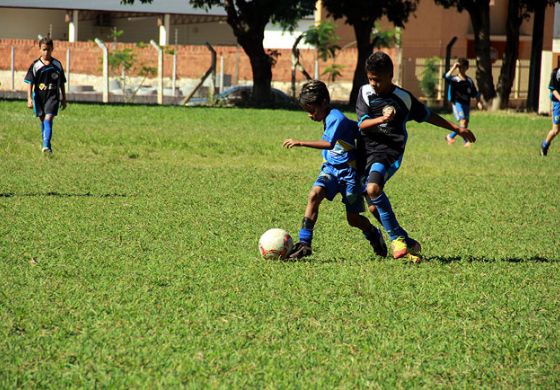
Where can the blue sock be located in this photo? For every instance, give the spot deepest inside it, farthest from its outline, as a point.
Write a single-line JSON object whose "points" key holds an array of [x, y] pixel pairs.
{"points": [[306, 236], [42, 130], [545, 144], [47, 134], [453, 134], [388, 218]]}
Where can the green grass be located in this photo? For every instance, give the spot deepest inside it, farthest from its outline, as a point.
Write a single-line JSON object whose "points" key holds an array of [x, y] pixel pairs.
{"points": [[129, 259]]}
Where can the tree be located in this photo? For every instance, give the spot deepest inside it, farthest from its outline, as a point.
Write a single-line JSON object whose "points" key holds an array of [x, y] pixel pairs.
{"points": [[361, 15], [479, 12], [248, 19]]}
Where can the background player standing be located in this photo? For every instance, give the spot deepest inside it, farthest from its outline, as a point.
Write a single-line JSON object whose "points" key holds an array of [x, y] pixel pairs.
{"points": [[461, 90], [338, 172], [554, 87], [45, 91]]}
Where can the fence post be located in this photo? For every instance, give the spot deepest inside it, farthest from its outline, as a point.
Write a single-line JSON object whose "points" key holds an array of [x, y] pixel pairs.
{"points": [[105, 82], [517, 78], [160, 71], [12, 67]]}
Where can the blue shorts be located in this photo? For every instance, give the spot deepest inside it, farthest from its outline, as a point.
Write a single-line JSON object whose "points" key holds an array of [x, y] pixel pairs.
{"points": [[344, 181], [556, 113], [386, 171], [461, 111]]}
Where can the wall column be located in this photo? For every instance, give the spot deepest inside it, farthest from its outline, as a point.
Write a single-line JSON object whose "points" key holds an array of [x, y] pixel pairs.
{"points": [[164, 26], [72, 19]]}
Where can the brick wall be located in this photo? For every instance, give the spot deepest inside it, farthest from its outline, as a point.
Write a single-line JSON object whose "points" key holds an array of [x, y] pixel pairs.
{"points": [[192, 61]]}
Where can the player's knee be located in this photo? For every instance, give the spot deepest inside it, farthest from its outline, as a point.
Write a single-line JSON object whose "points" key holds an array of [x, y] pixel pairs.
{"points": [[372, 208], [315, 196], [374, 190]]}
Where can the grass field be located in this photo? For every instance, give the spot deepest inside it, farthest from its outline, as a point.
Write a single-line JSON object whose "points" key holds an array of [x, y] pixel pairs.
{"points": [[129, 259]]}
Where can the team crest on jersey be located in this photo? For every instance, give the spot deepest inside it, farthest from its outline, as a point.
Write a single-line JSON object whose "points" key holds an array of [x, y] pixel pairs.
{"points": [[42, 87], [54, 76]]}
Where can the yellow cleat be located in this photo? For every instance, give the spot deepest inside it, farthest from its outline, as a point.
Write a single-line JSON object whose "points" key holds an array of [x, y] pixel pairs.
{"points": [[398, 246]]}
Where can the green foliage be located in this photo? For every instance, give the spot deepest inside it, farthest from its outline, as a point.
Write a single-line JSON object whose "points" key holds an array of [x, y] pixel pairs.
{"points": [[120, 60], [386, 38], [333, 71], [324, 38], [430, 77], [129, 258]]}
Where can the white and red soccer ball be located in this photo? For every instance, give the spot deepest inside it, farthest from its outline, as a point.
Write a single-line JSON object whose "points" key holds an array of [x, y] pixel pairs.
{"points": [[275, 244]]}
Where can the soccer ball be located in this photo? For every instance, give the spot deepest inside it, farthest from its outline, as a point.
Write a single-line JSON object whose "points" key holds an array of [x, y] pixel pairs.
{"points": [[275, 244]]}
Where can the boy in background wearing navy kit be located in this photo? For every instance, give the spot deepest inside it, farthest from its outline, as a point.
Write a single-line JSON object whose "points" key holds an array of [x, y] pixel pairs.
{"points": [[554, 87], [45, 92]]}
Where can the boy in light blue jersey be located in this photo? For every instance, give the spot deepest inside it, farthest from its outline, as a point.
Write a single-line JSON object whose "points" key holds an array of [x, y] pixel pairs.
{"points": [[339, 172]]}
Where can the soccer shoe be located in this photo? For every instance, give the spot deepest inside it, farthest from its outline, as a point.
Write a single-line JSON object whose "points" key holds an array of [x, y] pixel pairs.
{"points": [[414, 248], [301, 249], [449, 140], [378, 243], [46, 151], [399, 248], [544, 149], [467, 144]]}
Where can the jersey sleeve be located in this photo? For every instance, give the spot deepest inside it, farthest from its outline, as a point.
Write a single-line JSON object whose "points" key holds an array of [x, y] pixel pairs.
{"points": [[475, 94], [555, 80], [418, 111], [362, 108], [332, 130], [29, 76]]}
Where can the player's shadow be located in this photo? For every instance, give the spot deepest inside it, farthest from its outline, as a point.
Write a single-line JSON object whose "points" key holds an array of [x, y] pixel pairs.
{"points": [[479, 259], [62, 195]]}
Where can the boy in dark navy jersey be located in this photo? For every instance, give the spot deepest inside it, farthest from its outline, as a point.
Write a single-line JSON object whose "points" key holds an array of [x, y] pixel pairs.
{"points": [[554, 87], [461, 90], [45, 91], [338, 172], [383, 110]]}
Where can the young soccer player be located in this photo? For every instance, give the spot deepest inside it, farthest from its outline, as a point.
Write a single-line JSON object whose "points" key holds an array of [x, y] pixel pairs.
{"points": [[45, 90], [383, 110], [554, 87], [338, 172], [461, 90]]}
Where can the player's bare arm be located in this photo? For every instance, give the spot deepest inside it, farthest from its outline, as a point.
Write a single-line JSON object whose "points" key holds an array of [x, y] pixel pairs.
{"points": [[29, 95], [63, 97], [290, 143], [439, 121], [370, 123]]}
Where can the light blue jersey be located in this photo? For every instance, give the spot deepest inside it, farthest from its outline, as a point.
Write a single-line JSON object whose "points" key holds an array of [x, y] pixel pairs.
{"points": [[341, 133]]}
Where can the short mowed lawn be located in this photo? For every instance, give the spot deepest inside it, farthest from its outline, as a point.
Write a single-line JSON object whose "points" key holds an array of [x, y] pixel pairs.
{"points": [[129, 258]]}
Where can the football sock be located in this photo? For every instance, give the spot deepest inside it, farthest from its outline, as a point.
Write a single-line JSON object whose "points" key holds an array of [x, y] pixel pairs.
{"points": [[545, 144], [42, 131], [47, 134], [453, 134], [388, 218], [306, 231]]}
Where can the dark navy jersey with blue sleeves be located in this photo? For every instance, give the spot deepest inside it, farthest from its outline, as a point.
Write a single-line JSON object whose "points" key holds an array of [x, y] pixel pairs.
{"points": [[46, 79], [461, 91], [342, 133], [554, 83], [387, 141]]}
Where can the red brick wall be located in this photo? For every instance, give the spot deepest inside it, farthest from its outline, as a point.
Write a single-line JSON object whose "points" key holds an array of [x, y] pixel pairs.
{"points": [[192, 61]]}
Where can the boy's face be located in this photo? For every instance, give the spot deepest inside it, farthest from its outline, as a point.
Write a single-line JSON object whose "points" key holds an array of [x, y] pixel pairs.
{"points": [[382, 83], [317, 112], [463, 68], [46, 51]]}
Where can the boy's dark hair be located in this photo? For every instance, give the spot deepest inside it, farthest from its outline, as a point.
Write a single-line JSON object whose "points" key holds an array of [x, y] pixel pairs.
{"points": [[314, 92], [379, 63], [46, 41], [462, 61]]}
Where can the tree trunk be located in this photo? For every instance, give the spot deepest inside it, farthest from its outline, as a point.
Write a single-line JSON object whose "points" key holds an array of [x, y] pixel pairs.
{"points": [[365, 47], [261, 66], [480, 19], [507, 72], [536, 52]]}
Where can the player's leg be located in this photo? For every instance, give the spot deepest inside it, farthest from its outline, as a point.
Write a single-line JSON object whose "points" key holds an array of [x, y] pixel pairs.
{"points": [[324, 187], [458, 114], [377, 197], [555, 129], [351, 191], [464, 123], [47, 132]]}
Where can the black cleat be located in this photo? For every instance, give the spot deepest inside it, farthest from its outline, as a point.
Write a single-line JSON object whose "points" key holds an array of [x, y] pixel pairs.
{"points": [[301, 249], [544, 149], [378, 243]]}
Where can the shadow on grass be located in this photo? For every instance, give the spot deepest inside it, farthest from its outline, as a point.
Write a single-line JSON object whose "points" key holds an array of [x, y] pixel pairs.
{"points": [[478, 259], [62, 195]]}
